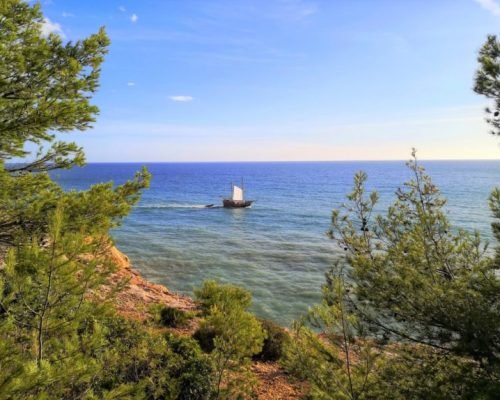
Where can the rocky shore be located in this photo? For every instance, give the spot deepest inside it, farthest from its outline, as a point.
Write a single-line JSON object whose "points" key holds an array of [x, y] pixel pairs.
{"points": [[133, 301], [139, 294]]}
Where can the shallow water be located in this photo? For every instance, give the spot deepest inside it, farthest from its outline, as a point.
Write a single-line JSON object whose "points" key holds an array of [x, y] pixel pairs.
{"points": [[278, 249]]}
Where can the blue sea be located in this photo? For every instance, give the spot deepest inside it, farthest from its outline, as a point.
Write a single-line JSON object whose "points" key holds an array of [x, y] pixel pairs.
{"points": [[278, 249]]}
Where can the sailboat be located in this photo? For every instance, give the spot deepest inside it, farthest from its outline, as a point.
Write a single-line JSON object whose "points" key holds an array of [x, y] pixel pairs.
{"points": [[237, 199]]}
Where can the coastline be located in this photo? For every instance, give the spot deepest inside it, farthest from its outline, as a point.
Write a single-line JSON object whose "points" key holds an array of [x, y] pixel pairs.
{"points": [[139, 294]]}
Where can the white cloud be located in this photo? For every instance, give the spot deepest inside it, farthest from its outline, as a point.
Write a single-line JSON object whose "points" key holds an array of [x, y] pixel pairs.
{"points": [[67, 14], [490, 5], [130, 83], [49, 27], [122, 9], [134, 18], [182, 99]]}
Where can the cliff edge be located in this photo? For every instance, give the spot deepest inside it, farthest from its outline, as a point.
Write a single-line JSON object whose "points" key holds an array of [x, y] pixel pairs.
{"points": [[138, 294], [134, 300]]}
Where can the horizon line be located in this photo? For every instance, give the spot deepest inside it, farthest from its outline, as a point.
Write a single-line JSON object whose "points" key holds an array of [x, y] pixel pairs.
{"points": [[288, 161]]}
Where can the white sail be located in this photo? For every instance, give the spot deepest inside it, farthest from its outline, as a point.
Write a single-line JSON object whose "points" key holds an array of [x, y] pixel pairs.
{"points": [[237, 193]]}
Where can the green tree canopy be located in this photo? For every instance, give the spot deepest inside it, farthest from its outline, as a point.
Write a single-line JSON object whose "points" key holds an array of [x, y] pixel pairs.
{"points": [[45, 86], [237, 336], [413, 312], [417, 278], [487, 80]]}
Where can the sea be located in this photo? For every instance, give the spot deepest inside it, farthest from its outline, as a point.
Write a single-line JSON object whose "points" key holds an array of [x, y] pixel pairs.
{"points": [[278, 249]]}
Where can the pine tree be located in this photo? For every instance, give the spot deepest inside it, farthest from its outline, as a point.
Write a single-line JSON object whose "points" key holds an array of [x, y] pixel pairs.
{"points": [[412, 312], [487, 82], [341, 362], [49, 310], [416, 278], [236, 334], [420, 297], [45, 86], [53, 244]]}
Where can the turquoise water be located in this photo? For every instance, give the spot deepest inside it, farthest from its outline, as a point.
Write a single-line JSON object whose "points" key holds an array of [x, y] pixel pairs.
{"points": [[278, 249]]}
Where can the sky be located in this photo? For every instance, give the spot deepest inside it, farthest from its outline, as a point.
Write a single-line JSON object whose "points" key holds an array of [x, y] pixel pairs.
{"points": [[284, 80]]}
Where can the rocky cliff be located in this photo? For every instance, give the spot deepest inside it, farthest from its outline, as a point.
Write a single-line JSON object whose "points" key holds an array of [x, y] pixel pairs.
{"points": [[138, 294]]}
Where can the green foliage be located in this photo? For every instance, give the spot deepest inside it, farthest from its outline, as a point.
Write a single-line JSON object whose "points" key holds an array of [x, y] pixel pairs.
{"points": [[339, 363], [49, 312], [238, 336], [205, 336], [173, 317], [417, 279], [156, 366], [54, 339], [274, 343], [417, 372], [195, 377], [44, 287], [223, 296], [413, 313], [45, 86], [487, 80], [412, 278], [26, 201]]}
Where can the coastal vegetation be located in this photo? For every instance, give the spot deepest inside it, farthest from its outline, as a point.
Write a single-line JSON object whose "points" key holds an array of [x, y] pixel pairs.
{"points": [[172, 317], [235, 335], [60, 337], [410, 312], [413, 310]]}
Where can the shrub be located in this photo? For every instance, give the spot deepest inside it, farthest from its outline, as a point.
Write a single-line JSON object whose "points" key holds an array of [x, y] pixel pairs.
{"points": [[239, 336], [205, 336], [173, 317], [156, 366], [195, 382], [195, 373], [232, 335], [273, 346], [213, 294]]}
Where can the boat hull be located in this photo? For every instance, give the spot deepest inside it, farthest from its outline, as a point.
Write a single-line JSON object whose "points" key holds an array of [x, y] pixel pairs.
{"points": [[228, 203]]}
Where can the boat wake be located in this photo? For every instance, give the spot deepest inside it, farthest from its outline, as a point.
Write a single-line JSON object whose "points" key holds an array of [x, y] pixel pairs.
{"points": [[174, 205]]}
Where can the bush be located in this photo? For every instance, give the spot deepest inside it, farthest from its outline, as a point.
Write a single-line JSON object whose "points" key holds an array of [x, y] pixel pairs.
{"points": [[195, 373], [205, 336], [232, 335], [173, 317], [195, 382], [273, 346], [223, 296], [156, 366]]}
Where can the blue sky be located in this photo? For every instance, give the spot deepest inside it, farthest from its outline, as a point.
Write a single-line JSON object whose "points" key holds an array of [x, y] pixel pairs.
{"points": [[207, 80]]}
